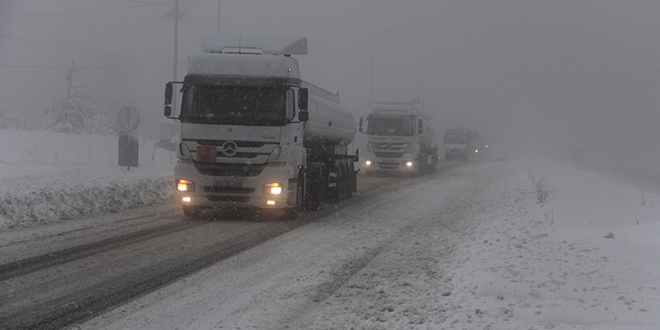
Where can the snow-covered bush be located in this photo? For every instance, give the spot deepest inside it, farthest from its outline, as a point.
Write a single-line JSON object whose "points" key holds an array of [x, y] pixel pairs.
{"points": [[541, 191]]}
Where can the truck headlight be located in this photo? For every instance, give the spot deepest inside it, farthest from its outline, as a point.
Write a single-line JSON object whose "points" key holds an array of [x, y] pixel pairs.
{"points": [[185, 185], [409, 164], [273, 188], [368, 163]]}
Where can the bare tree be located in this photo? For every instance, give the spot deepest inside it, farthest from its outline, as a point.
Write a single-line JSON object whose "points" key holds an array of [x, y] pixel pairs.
{"points": [[70, 115]]}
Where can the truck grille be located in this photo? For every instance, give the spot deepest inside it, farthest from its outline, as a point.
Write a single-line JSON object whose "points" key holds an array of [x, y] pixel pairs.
{"points": [[238, 170], [229, 190], [381, 154], [388, 165], [232, 199], [240, 144]]}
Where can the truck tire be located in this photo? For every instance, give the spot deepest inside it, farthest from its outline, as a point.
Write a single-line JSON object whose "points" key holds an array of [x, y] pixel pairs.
{"points": [[353, 175], [292, 213], [338, 193], [348, 181], [315, 187], [434, 162]]}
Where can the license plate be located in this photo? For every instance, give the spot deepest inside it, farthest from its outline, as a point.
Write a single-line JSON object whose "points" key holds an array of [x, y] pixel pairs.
{"points": [[206, 154]]}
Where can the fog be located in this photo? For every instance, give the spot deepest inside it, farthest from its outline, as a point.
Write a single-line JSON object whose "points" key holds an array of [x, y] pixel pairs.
{"points": [[546, 77]]}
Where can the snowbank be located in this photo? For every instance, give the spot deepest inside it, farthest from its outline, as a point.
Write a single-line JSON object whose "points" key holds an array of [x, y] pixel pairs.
{"points": [[587, 257], [47, 176]]}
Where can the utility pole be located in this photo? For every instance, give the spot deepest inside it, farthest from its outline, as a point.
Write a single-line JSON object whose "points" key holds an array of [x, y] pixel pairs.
{"points": [[219, 2], [371, 80], [176, 37], [174, 14]]}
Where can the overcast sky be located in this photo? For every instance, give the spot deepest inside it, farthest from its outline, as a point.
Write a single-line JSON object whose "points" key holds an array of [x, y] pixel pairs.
{"points": [[546, 75]]}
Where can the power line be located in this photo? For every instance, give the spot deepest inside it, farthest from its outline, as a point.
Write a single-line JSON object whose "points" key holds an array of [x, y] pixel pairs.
{"points": [[84, 49], [82, 67], [91, 11], [75, 12]]}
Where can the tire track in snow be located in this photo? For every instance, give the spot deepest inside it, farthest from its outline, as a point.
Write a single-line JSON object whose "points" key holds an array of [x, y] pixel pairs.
{"points": [[33, 264]]}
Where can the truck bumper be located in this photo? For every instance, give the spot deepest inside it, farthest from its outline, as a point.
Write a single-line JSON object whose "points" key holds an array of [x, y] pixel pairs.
{"points": [[455, 154], [214, 191], [408, 163]]}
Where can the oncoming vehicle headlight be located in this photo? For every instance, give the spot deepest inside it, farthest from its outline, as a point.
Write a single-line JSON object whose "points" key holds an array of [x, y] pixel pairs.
{"points": [[409, 164], [367, 162], [273, 188], [185, 185]]}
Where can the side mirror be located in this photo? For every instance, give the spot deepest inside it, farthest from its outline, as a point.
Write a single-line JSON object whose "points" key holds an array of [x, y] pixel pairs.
{"points": [[420, 127], [303, 98], [303, 115], [168, 94], [360, 124]]}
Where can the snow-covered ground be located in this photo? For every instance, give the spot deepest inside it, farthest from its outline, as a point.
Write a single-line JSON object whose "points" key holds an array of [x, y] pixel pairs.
{"points": [[47, 176], [586, 258]]}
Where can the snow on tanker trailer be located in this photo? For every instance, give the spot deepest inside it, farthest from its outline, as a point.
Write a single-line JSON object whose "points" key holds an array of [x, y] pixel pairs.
{"points": [[399, 140], [254, 135]]}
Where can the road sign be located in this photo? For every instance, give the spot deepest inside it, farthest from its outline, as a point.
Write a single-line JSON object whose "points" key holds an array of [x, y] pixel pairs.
{"points": [[128, 149], [128, 118]]}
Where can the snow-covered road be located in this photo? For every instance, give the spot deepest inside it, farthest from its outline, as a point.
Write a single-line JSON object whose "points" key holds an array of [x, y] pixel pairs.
{"points": [[379, 263], [469, 249]]}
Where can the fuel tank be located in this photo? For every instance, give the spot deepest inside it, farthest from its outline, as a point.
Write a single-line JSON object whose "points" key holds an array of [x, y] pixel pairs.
{"points": [[329, 122]]}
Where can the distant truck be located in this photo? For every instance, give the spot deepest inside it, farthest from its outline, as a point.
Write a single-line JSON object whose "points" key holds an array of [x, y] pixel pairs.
{"points": [[399, 139], [254, 135], [457, 143]]}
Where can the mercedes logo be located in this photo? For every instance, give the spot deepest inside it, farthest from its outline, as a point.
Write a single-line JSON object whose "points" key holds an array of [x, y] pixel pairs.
{"points": [[388, 146], [229, 148]]}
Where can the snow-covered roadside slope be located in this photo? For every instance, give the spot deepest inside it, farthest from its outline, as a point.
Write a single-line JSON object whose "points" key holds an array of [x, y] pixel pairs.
{"points": [[589, 257], [47, 177]]}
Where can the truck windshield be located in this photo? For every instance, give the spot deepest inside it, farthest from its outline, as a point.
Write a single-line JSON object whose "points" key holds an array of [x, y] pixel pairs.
{"points": [[390, 126], [234, 105]]}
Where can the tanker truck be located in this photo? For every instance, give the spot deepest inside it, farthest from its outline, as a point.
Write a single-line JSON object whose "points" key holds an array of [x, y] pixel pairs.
{"points": [[457, 143], [254, 135], [399, 139]]}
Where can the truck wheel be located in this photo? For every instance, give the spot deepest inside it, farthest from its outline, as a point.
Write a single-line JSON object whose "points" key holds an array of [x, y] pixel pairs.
{"points": [[292, 213], [337, 193], [315, 187], [353, 175], [348, 182], [434, 162], [192, 212]]}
